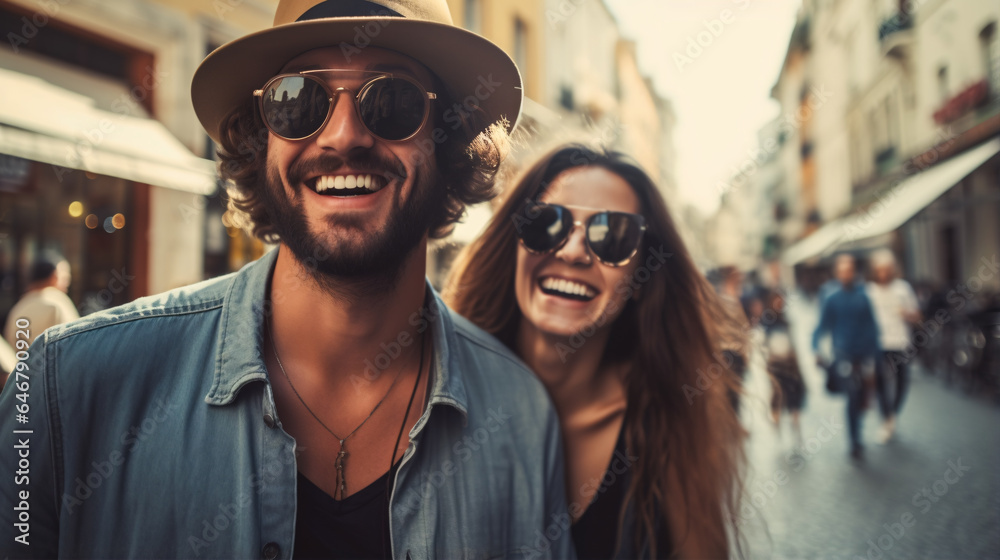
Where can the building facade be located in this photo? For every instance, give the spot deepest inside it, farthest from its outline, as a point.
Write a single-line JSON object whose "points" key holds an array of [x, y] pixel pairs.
{"points": [[582, 83], [101, 156], [894, 113]]}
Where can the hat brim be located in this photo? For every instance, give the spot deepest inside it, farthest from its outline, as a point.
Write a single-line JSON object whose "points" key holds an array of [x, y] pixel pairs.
{"points": [[467, 64]]}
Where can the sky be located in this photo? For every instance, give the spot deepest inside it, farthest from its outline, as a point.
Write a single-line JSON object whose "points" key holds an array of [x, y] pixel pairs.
{"points": [[720, 87]]}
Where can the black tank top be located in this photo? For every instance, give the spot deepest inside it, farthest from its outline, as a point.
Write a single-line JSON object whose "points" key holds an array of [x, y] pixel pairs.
{"points": [[595, 534]]}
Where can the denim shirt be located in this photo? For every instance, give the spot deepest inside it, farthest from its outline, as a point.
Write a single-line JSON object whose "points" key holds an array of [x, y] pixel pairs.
{"points": [[848, 316], [152, 433]]}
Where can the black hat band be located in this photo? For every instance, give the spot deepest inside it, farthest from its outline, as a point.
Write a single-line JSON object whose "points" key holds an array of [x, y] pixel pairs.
{"points": [[347, 8]]}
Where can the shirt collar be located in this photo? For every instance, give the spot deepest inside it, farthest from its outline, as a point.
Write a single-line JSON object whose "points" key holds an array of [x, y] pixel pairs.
{"points": [[447, 368], [240, 357]]}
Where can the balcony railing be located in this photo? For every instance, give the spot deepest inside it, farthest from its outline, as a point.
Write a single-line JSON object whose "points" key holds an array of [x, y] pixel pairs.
{"points": [[895, 24], [970, 98]]}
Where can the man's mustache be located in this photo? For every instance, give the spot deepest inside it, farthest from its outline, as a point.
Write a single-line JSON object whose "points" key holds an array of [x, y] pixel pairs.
{"points": [[329, 164]]}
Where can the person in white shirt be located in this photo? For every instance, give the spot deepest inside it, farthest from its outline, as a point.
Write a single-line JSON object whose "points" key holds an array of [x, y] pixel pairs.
{"points": [[45, 304], [896, 308]]}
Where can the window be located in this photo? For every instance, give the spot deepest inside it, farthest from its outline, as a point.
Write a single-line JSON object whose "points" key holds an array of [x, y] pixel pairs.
{"points": [[892, 119], [473, 15], [854, 151], [882, 122], [854, 70], [989, 46], [63, 44], [942, 79], [566, 97], [949, 251]]}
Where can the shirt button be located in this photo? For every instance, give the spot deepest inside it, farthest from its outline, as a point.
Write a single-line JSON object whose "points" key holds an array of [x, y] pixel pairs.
{"points": [[269, 420], [271, 551]]}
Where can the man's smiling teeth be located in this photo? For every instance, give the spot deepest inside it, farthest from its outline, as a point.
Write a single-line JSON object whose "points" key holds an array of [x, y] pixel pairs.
{"points": [[344, 182], [568, 287]]}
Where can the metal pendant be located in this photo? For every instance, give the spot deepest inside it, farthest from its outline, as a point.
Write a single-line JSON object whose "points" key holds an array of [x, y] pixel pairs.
{"points": [[341, 482]]}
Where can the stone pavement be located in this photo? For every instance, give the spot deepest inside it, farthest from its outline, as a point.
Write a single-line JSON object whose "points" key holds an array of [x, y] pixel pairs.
{"points": [[932, 492]]}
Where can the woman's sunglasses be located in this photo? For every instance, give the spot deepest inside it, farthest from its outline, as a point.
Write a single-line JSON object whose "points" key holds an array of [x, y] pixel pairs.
{"points": [[613, 237], [297, 106]]}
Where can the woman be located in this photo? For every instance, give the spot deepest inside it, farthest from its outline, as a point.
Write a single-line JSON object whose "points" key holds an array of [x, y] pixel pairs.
{"points": [[583, 274], [789, 390]]}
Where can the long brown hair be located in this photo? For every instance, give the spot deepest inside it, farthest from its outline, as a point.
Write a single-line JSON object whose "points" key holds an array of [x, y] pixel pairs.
{"points": [[679, 419]]}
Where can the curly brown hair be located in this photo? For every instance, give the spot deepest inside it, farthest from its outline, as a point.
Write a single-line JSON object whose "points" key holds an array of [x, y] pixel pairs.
{"points": [[469, 152]]}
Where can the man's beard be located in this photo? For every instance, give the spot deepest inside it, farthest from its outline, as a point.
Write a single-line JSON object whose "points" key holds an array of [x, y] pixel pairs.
{"points": [[375, 262]]}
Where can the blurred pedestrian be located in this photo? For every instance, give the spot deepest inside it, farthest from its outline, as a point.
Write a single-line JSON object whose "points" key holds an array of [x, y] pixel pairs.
{"points": [[896, 308], [783, 365], [583, 274], [752, 298], [753, 306], [848, 317], [826, 289], [734, 349], [8, 360], [45, 303]]}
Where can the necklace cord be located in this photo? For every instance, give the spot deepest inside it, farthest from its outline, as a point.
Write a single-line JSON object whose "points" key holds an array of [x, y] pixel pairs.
{"points": [[399, 435], [392, 462], [342, 454], [294, 390], [420, 371]]}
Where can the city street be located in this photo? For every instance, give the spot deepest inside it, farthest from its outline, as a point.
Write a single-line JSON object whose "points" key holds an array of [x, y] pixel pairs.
{"points": [[596, 183], [932, 492]]}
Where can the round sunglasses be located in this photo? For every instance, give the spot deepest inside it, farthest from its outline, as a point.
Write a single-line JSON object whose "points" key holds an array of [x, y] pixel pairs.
{"points": [[613, 237], [298, 105]]}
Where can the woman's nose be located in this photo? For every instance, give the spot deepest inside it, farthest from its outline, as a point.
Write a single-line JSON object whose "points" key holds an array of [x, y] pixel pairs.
{"points": [[575, 250]]}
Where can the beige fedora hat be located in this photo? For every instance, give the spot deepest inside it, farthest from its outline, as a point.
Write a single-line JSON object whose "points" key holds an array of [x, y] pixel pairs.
{"points": [[474, 70]]}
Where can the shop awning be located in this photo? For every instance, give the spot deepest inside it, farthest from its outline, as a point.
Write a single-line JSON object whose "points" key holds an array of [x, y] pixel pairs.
{"points": [[43, 122], [894, 207]]}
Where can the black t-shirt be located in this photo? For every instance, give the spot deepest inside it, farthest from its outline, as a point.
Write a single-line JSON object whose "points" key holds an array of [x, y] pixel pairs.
{"points": [[355, 527], [595, 534]]}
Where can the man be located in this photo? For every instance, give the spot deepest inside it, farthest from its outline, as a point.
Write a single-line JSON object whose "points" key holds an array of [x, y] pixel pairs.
{"points": [[847, 316], [896, 308], [45, 303], [263, 413]]}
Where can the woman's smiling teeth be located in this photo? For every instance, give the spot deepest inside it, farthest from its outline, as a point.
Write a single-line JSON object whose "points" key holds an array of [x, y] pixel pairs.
{"points": [[340, 184], [567, 288]]}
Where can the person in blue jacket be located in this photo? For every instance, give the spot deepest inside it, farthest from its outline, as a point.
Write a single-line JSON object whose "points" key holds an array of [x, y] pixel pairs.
{"points": [[848, 317]]}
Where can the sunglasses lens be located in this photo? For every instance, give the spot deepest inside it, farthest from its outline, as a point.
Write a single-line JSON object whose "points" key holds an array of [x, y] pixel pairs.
{"points": [[613, 236], [393, 109], [546, 227], [295, 107]]}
